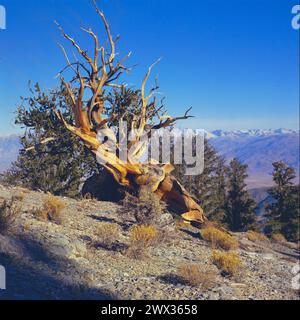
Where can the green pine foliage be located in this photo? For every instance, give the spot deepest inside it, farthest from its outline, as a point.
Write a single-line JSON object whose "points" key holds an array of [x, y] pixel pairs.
{"points": [[208, 188], [283, 213], [239, 206]]}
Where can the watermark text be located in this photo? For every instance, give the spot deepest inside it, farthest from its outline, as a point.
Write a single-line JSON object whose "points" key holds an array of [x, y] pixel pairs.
{"points": [[2, 278], [296, 18], [2, 18]]}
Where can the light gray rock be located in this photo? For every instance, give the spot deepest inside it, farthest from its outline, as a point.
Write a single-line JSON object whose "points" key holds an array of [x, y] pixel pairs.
{"points": [[64, 247]]}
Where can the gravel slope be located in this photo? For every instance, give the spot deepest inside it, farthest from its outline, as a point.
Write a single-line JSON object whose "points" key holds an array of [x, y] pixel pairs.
{"points": [[44, 260]]}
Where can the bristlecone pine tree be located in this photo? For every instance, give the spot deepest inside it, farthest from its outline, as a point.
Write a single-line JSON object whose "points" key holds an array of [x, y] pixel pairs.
{"points": [[284, 212], [87, 90], [239, 207], [51, 159]]}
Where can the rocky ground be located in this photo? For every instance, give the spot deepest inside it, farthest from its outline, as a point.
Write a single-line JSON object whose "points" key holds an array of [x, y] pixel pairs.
{"points": [[44, 260]]}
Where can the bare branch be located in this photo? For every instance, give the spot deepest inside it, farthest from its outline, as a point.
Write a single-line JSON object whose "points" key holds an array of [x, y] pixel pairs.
{"points": [[145, 99], [78, 48], [110, 38], [171, 120], [96, 42]]}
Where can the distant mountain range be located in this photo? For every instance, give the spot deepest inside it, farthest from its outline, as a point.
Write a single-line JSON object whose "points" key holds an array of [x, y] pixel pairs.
{"points": [[9, 149], [250, 133], [258, 148]]}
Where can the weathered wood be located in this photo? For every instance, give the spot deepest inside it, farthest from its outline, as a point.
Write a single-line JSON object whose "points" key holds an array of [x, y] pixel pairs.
{"points": [[90, 117]]}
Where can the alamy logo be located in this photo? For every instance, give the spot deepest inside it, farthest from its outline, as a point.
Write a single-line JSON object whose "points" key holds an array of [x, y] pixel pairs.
{"points": [[154, 146], [296, 18], [2, 18], [2, 278]]}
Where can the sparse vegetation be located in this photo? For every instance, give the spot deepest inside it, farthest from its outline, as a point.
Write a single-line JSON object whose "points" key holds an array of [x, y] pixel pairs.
{"points": [[51, 210], [54, 208], [228, 262], [40, 214], [146, 208], [9, 211], [93, 245], [107, 232], [256, 236], [143, 234], [193, 275], [219, 239], [141, 238], [278, 237]]}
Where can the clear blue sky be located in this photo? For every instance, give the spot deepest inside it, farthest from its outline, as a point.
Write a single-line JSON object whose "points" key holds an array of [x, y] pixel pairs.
{"points": [[235, 61]]}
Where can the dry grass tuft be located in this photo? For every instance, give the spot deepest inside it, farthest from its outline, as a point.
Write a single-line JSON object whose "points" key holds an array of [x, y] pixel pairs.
{"points": [[228, 262], [142, 237], [278, 237], [40, 214], [51, 210], [9, 211], [192, 275], [143, 234], [107, 233], [219, 239], [54, 208], [256, 236]]}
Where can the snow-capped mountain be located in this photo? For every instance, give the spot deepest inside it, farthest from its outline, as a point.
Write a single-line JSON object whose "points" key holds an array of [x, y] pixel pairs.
{"points": [[250, 133], [259, 149]]}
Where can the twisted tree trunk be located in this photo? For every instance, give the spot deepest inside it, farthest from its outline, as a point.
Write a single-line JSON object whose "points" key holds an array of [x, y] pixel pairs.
{"points": [[95, 74]]}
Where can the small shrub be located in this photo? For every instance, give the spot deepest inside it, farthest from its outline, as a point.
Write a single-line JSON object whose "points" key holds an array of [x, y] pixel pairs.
{"points": [[219, 239], [54, 207], [193, 275], [278, 237], [107, 232], [256, 236], [141, 238], [40, 214], [146, 208], [9, 211], [143, 234], [228, 262]]}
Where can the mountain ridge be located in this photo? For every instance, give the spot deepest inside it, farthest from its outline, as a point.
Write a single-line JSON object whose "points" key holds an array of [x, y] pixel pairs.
{"points": [[258, 148], [250, 133]]}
